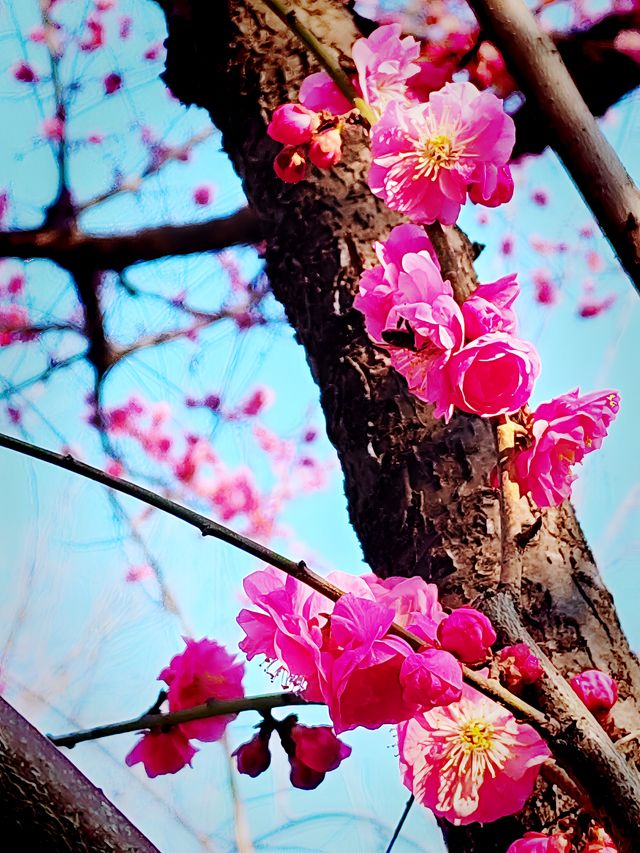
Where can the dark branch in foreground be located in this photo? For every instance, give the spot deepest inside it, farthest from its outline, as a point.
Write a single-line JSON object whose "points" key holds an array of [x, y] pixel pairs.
{"points": [[48, 804], [213, 708], [72, 248]]}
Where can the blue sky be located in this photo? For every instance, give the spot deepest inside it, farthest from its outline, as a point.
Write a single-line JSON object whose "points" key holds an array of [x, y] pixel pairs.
{"points": [[78, 645]]}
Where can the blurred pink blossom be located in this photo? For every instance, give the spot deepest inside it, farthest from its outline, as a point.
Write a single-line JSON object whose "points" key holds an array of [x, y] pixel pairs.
{"points": [[162, 752]]}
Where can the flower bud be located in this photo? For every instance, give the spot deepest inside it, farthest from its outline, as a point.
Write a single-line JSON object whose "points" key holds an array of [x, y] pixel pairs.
{"points": [[325, 149], [518, 666], [538, 842], [598, 691], [253, 757], [316, 750], [599, 841], [290, 165], [292, 124], [468, 634]]}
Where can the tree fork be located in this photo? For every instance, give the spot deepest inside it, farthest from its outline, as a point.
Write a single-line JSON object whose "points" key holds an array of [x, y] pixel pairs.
{"points": [[417, 489]]}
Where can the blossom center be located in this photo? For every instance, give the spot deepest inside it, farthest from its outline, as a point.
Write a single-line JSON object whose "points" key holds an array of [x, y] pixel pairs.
{"points": [[437, 153], [476, 735]]}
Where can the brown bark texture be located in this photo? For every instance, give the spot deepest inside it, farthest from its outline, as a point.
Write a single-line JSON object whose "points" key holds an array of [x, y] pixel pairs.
{"points": [[47, 804], [417, 489]]}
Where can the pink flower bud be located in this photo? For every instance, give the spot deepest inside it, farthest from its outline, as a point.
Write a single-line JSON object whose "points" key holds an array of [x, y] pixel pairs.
{"points": [[598, 691], [24, 73], [518, 666], [599, 841], [162, 752], [112, 82], [538, 842], [468, 634], [326, 149], [290, 165], [292, 124], [253, 757], [317, 751], [501, 193], [202, 195]]}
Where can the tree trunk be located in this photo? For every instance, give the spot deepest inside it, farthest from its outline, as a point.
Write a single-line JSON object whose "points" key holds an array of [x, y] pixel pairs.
{"points": [[418, 491]]}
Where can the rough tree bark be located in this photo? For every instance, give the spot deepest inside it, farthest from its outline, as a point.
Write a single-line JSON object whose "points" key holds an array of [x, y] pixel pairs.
{"points": [[417, 490]]}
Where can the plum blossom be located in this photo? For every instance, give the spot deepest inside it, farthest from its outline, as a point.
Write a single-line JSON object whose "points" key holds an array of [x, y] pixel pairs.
{"points": [[597, 690], [425, 157], [518, 666], [494, 374], [494, 196], [235, 493], [470, 760], [318, 92], [325, 149], [539, 842], [25, 73], [202, 195], [162, 752], [290, 164], [204, 670], [628, 42], [253, 757], [385, 62], [468, 634], [563, 431], [488, 309], [599, 841], [292, 124], [316, 751], [112, 83]]}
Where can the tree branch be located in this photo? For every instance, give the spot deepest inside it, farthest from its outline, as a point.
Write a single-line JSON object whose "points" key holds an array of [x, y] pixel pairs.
{"points": [[71, 248], [213, 708], [534, 61]]}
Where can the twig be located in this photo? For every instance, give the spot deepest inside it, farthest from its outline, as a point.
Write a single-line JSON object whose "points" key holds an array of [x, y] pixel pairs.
{"points": [[213, 708], [400, 824]]}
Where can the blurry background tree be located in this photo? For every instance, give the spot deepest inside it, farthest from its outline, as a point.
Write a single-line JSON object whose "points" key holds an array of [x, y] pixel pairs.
{"points": [[133, 335]]}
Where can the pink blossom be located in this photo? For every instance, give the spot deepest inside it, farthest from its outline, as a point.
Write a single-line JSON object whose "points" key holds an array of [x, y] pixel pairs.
{"points": [[124, 26], [235, 493], [112, 83], [316, 751], [468, 634], [290, 165], [493, 375], [563, 431], [538, 842], [15, 285], [162, 752], [470, 760], [153, 52], [425, 157], [628, 42], [94, 37], [319, 93], [433, 73], [292, 124], [415, 604], [385, 62], [597, 690], [518, 666], [257, 402], [494, 196], [202, 195], [325, 149], [114, 468], [53, 129], [431, 677], [95, 138], [253, 757], [546, 291], [139, 573], [599, 841], [25, 73], [427, 378], [488, 309], [14, 325], [592, 307], [204, 670]]}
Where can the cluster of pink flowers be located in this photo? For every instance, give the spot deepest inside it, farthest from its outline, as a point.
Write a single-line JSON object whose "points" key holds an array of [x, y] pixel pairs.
{"points": [[430, 149], [561, 432], [203, 671], [312, 751], [598, 841], [466, 357]]}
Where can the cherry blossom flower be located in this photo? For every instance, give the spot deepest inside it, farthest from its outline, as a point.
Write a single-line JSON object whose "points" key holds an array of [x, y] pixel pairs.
{"points": [[468, 634], [316, 751], [325, 149], [539, 842], [253, 757], [563, 431], [385, 62], [204, 670], [597, 690], [494, 196], [518, 666], [235, 493], [293, 124], [546, 292], [493, 375], [470, 760], [94, 37], [425, 157], [162, 752], [431, 677]]}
